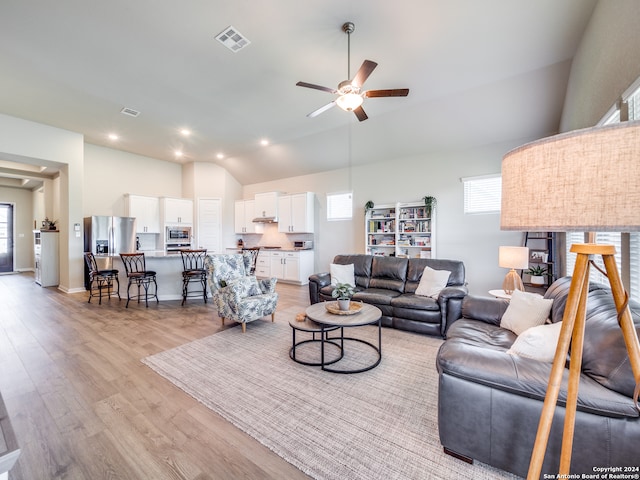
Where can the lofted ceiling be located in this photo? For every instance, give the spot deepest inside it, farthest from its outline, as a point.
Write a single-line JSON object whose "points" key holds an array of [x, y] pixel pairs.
{"points": [[478, 73]]}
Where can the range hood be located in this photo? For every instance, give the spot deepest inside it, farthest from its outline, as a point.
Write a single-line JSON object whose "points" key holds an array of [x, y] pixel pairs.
{"points": [[265, 220]]}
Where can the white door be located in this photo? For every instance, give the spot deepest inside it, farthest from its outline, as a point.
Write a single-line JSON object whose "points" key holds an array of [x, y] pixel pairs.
{"points": [[210, 224], [6, 237]]}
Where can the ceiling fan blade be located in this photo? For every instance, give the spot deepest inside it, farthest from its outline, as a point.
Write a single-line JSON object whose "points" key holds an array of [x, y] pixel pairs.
{"points": [[360, 114], [365, 70], [317, 87], [396, 92], [317, 112]]}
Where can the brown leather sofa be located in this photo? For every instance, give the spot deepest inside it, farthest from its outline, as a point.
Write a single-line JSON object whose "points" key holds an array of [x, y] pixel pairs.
{"points": [[490, 401], [390, 283]]}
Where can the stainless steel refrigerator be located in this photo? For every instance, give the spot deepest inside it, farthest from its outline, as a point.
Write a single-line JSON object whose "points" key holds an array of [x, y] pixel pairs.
{"points": [[107, 237]]}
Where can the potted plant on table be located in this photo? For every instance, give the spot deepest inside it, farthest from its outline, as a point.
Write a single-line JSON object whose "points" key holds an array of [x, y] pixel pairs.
{"points": [[537, 274], [343, 292]]}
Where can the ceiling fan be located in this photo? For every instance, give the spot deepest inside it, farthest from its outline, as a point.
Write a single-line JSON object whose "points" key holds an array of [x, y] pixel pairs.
{"points": [[350, 96]]}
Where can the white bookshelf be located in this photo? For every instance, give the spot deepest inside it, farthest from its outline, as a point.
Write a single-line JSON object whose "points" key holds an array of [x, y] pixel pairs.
{"points": [[400, 229]]}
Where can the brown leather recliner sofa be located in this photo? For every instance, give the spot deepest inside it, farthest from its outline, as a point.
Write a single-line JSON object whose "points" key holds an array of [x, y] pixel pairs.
{"points": [[490, 401], [390, 283]]}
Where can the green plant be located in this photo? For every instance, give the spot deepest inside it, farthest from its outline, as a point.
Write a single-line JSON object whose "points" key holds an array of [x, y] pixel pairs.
{"points": [[429, 202], [343, 291], [537, 271], [368, 206]]}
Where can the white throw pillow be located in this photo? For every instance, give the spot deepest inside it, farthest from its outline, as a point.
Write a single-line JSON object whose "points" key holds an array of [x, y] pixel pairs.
{"points": [[342, 274], [538, 343], [432, 282], [525, 310]]}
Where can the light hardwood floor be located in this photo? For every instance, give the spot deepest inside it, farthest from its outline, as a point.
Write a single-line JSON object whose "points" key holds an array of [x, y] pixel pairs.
{"points": [[83, 405]]}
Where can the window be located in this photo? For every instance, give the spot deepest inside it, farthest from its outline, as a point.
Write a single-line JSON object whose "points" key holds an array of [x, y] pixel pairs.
{"points": [[339, 206], [628, 108], [604, 238], [482, 194]]}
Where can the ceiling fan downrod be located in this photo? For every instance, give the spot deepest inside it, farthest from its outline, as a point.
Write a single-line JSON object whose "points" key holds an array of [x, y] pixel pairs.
{"points": [[348, 28]]}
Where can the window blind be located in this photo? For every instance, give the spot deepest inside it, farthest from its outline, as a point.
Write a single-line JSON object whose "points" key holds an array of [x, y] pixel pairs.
{"points": [[339, 206], [482, 195]]}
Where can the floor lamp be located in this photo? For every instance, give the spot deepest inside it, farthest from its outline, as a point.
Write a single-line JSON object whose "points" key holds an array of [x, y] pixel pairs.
{"points": [[588, 181]]}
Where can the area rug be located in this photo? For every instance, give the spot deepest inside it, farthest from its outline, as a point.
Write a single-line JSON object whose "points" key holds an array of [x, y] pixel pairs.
{"points": [[380, 424]]}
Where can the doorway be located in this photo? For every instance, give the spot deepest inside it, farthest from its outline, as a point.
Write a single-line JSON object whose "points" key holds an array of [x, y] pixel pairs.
{"points": [[6, 237]]}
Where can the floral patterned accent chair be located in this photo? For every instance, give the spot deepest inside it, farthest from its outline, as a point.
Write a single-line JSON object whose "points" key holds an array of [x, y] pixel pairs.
{"points": [[237, 295]]}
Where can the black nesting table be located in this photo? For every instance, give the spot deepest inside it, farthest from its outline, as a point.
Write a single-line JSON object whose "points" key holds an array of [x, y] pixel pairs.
{"points": [[320, 321]]}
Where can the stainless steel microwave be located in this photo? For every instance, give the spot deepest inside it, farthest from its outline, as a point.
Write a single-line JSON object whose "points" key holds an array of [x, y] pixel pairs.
{"points": [[178, 233]]}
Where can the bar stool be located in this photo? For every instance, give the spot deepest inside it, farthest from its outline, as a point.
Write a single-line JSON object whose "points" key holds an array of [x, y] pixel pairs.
{"points": [[254, 251], [193, 271], [100, 280], [135, 266]]}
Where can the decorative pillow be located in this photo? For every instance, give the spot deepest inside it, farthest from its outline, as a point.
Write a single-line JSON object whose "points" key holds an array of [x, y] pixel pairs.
{"points": [[538, 343], [432, 282], [525, 310], [342, 274], [247, 286]]}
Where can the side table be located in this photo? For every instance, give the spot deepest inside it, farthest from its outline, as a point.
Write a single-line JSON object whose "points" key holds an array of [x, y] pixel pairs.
{"points": [[500, 294], [368, 315], [310, 326]]}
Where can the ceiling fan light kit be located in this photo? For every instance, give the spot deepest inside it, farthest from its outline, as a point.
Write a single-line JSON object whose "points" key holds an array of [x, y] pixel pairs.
{"points": [[350, 98], [349, 101]]}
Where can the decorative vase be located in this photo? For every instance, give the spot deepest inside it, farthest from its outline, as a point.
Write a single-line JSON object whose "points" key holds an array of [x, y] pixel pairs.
{"points": [[537, 280], [344, 304]]}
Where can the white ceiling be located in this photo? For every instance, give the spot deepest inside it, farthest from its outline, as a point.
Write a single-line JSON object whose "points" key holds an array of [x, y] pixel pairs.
{"points": [[479, 72]]}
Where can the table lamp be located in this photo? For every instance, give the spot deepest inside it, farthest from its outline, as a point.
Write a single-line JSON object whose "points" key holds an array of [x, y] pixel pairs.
{"points": [[513, 258], [586, 180]]}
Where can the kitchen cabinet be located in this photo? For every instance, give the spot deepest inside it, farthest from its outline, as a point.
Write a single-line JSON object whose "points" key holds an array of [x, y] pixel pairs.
{"points": [[287, 266], [296, 213], [244, 215], [266, 205], [146, 211], [177, 211], [45, 250], [263, 264]]}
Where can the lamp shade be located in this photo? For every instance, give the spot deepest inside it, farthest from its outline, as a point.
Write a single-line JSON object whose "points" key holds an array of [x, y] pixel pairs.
{"points": [[513, 257], [349, 101], [585, 180]]}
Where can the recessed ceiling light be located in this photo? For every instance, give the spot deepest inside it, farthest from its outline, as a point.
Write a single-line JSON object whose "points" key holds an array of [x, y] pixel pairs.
{"points": [[178, 153], [185, 132], [220, 156], [113, 136], [264, 142]]}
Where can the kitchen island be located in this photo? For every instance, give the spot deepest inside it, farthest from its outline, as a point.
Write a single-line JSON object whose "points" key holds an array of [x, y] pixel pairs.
{"points": [[168, 270]]}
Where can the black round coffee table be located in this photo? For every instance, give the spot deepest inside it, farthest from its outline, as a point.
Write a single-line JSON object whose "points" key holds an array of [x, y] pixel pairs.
{"points": [[314, 328], [367, 315]]}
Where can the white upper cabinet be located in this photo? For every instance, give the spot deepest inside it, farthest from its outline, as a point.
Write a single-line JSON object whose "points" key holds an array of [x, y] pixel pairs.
{"points": [[244, 215], [146, 210], [296, 213], [177, 210], [267, 205]]}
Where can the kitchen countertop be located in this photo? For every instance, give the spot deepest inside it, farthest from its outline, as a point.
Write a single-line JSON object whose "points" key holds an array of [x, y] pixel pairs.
{"points": [[235, 249]]}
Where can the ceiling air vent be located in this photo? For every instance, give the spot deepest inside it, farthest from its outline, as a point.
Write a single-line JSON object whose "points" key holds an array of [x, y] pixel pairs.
{"points": [[232, 39], [130, 111]]}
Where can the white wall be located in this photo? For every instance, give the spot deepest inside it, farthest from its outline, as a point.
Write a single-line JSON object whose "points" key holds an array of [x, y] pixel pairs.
{"points": [[208, 180], [472, 239], [110, 174], [29, 142], [23, 213], [606, 64]]}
